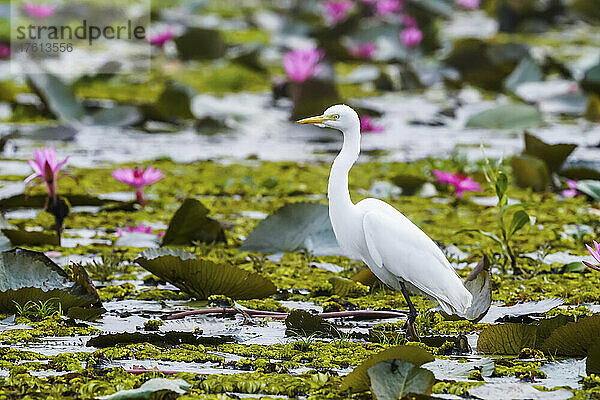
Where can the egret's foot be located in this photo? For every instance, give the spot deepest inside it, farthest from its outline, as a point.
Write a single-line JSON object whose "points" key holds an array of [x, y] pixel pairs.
{"points": [[409, 327]]}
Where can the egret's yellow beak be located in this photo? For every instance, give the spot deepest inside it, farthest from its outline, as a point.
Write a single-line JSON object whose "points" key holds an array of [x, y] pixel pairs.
{"points": [[313, 120]]}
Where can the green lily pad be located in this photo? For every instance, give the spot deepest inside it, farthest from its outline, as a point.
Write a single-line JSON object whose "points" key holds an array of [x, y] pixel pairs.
{"points": [[303, 323], [592, 364], [345, 287], [393, 379], [530, 172], [174, 102], [554, 155], [58, 97], [409, 183], [295, 227], [509, 116], [574, 339], [20, 237], [527, 71], [119, 115], [311, 97], [591, 79], [589, 187], [31, 276], [39, 201], [581, 173], [166, 339], [200, 44], [156, 388], [202, 278], [506, 338], [358, 380], [191, 224]]}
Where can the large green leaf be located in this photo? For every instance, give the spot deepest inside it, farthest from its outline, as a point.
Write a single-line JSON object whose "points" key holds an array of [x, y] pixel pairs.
{"points": [[589, 187], [118, 115], [173, 103], [57, 96], [519, 220], [393, 379], [581, 173], [527, 71], [358, 380], [295, 227], [191, 224], [592, 364], [574, 339], [39, 201], [303, 323], [20, 237], [510, 116], [202, 277], [158, 388], [530, 172], [200, 44], [554, 155], [506, 338], [31, 276]]}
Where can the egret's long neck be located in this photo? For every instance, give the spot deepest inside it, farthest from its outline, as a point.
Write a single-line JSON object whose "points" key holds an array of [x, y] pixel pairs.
{"points": [[337, 191]]}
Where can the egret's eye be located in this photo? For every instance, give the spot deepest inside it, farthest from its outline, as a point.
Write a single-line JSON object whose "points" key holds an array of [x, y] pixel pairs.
{"points": [[335, 116]]}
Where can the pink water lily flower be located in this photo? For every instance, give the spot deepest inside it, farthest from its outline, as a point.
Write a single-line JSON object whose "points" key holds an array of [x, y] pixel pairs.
{"points": [[39, 10], [141, 228], [596, 254], [460, 182], [4, 51], [160, 38], [302, 64], [387, 7], [337, 10], [470, 4], [364, 51], [46, 170], [411, 36], [367, 125], [571, 191], [138, 178]]}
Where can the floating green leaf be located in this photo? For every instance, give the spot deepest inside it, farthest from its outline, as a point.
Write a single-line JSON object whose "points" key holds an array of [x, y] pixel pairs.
{"points": [[358, 379], [20, 237], [57, 96], [345, 287], [409, 183], [506, 338], [589, 187], [39, 201], [530, 172], [295, 227], [202, 278], [31, 276], [510, 116], [581, 173], [200, 44], [554, 155], [574, 339], [592, 364], [174, 102], [163, 339], [118, 115], [303, 323], [393, 379], [527, 71], [191, 224], [156, 388]]}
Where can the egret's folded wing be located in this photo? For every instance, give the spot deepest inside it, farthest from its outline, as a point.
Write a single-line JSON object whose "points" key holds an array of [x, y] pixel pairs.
{"points": [[399, 246]]}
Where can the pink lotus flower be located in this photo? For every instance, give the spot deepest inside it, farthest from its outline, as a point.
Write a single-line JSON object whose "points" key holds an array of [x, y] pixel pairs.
{"points": [[571, 191], [367, 125], [141, 228], [408, 21], [4, 51], [471, 4], [337, 10], [302, 64], [363, 51], [460, 182], [160, 38], [387, 7], [411, 36], [595, 253], [39, 10], [138, 178], [46, 169]]}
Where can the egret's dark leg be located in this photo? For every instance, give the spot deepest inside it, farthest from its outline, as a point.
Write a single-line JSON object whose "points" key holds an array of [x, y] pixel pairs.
{"points": [[412, 314]]}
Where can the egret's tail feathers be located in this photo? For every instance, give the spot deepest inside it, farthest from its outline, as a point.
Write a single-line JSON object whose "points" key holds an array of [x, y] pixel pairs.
{"points": [[459, 304]]}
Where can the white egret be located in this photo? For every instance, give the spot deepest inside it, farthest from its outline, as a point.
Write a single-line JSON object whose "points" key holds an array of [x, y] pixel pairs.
{"points": [[396, 250]]}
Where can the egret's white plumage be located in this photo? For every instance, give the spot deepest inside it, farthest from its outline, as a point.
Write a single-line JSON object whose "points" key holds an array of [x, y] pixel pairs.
{"points": [[394, 248]]}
